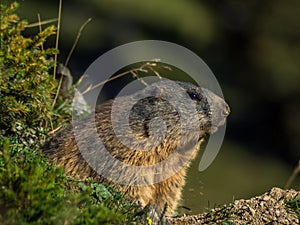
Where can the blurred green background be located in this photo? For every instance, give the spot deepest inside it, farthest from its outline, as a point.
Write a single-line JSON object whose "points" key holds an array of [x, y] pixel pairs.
{"points": [[253, 48]]}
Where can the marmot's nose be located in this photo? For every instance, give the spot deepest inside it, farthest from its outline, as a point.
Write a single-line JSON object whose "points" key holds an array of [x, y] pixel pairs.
{"points": [[226, 110]]}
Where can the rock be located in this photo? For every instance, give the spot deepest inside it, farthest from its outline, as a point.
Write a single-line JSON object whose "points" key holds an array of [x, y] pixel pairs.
{"points": [[269, 208]]}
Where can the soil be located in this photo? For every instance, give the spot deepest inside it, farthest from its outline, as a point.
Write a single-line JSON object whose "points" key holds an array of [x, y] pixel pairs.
{"points": [[273, 207]]}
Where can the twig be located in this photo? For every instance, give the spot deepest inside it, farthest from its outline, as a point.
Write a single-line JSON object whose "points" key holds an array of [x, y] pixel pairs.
{"points": [[76, 40], [40, 28], [57, 91], [41, 23], [293, 176], [53, 131], [142, 68], [155, 72], [57, 36], [68, 58], [104, 82], [134, 74]]}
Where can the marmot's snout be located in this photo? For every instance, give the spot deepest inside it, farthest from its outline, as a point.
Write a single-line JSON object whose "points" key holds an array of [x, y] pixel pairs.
{"points": [[218, 109]]}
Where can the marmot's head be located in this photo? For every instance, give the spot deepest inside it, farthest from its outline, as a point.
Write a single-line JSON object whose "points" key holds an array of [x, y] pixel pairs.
{"points": [[166, 108]]}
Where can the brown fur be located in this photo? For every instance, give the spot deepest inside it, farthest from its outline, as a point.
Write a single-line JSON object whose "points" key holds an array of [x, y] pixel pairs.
{"points": [[63, 148]]}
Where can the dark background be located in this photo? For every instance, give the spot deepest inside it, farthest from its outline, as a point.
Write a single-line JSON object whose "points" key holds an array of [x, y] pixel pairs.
{"points": [[253, 48]]}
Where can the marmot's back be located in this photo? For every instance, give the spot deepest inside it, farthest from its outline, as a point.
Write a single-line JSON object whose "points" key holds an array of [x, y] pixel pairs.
{"points": [[141, 144]]}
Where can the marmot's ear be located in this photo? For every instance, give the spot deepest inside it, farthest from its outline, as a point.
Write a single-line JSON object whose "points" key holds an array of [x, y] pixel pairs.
{"points": [[154, 90], [150, 91]]}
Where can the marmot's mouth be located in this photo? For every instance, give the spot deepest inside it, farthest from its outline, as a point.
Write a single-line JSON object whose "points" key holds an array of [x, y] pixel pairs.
{"points": [[216, 124], [214, 127], [213, 130]]}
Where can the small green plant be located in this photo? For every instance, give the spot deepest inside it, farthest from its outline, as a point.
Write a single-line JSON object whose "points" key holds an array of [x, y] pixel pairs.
{"points": [[228, 223], [31, 189], [104, 197], [295, 205]]}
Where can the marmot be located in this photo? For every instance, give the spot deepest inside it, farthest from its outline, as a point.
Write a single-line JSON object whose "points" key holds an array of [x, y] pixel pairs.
{"points": [[157, 114]]}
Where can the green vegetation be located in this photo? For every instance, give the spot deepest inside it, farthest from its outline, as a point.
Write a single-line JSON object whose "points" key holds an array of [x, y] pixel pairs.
{"points": [[224, 214], [228, 223], [32, 190], [27, 91], [295, 205]]}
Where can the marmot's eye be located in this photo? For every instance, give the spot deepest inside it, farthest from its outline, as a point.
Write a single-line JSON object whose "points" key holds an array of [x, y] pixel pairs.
{"points": [[194, 96]]}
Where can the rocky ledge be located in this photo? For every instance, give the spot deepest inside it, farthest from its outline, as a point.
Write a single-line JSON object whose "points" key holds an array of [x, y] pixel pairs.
{"points": [[274, 207]]}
